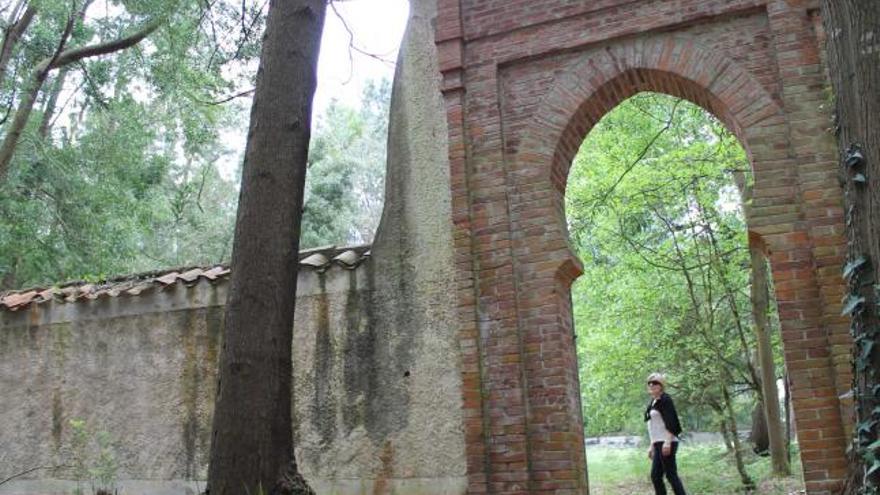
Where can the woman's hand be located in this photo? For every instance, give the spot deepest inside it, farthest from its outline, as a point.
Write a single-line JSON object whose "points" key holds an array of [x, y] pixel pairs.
{"points": [[667, 449], [651, 452]]}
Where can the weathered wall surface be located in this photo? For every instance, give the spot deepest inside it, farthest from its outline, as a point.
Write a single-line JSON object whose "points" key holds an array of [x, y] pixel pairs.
{"points": [[376, 403], [141, 368], [377, 385], [397, 382]]}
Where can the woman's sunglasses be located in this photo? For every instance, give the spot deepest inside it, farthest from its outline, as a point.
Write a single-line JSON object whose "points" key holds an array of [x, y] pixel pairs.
{"points": [[655, 383]]}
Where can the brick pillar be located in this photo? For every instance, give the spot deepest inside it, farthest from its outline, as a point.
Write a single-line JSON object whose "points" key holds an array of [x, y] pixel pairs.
{"points": [[448, 37], [807, 264]]}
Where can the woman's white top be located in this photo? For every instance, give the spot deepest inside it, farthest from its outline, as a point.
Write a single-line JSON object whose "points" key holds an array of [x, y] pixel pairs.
{"points": [[657, 428]]}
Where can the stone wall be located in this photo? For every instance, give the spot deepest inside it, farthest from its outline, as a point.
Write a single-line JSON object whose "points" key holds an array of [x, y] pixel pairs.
{"points": [[376, 409], [141, 368]]}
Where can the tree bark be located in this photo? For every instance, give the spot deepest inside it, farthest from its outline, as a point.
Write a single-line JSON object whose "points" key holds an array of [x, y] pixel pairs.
{"points": [[725, 431], [758, 437], [760, 298], [51, 103], [252, 442], [853, 46], [14, 32], [787, 389], [760, 295], [746, 480]]}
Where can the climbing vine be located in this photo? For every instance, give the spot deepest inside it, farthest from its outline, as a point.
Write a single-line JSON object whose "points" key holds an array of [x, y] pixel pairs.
{"points": [[860, 304]]}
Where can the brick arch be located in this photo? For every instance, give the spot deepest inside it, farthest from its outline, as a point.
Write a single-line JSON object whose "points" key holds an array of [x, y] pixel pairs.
{"points": [[574, 103], [523, 85], [675, 65]]}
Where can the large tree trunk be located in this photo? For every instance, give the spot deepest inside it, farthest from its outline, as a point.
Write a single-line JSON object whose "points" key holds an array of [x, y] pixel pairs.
{"points": [[252, 442], [853, 43]]}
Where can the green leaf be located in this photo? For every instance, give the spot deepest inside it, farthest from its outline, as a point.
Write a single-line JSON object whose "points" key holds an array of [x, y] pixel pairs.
{"points": [[867, 347], [853, 266], [864, 358], [874, 467], [853, 301]]}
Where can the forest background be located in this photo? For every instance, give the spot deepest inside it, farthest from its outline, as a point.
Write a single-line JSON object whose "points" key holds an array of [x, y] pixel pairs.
{"points": [[117, 169]]}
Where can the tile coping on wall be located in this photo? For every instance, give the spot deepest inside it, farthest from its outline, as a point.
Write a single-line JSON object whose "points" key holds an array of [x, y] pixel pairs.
{"points": [[317, 259]]}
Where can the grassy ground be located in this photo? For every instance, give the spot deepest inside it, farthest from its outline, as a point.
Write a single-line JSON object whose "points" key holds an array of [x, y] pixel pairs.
{"points": [[704, 469]]}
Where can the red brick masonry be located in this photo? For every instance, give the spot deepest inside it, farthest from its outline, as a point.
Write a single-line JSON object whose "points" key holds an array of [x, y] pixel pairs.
{"points": [[524, 81]]}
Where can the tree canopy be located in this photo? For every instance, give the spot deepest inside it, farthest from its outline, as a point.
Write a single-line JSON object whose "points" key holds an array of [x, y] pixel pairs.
{"points": [[129, 160], [656, 217]]}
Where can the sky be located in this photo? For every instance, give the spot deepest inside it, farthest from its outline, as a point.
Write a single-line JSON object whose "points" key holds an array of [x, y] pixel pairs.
{"points": [[377, 26]]}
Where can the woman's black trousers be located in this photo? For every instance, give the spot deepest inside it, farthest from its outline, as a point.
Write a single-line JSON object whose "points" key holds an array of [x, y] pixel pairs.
{"points": [[665, 466]]}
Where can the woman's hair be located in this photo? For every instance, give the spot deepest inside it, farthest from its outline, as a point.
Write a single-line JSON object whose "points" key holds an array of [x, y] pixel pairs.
{"points": [[658, 377]]}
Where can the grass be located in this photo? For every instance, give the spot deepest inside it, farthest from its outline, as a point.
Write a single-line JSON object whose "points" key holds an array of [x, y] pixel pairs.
{"points": [[705, 470]]}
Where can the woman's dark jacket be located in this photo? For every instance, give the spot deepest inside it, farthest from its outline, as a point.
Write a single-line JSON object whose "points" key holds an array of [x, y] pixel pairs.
{"points": [[667, 411]]}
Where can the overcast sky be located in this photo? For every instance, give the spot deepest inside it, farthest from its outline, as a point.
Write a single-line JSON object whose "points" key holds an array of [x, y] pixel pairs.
{"points": [[377, 26]]}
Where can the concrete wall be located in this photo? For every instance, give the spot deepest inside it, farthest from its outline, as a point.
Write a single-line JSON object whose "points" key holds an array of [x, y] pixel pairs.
{"points": [[377, 385], [141, 368], [376, 405]]}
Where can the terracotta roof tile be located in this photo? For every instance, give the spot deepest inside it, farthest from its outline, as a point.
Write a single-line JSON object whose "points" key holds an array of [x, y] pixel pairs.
{"points": [[318, 259], [217, 271], [168, 278], [349, 258], [191, 275]]}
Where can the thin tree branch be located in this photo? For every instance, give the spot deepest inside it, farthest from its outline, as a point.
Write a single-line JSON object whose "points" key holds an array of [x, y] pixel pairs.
{"points": [[13, 33], [29, 471], [240, 94], [351, 45], [641, 155], [75, 54], [246, 31]]}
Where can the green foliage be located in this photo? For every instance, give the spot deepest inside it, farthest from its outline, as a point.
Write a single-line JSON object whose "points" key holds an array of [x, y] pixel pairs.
{"points": [[655, 215], [92, 458], [121, 174], [129, 169], [344, 185]]}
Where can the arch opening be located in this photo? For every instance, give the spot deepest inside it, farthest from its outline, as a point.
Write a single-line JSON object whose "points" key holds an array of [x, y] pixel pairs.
{"points": [[655, 212]]}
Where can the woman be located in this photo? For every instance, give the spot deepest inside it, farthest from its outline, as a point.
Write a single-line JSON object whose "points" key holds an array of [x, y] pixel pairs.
{"points": [[663, 428]]}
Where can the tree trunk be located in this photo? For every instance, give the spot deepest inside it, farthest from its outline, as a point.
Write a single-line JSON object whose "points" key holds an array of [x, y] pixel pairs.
{"points": [[759, 436], [760, 295], [760, 298], [747, 482], [252, 442], [14, 32], [51, 103], [725, 432], [788, 418], [853, 44]]}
